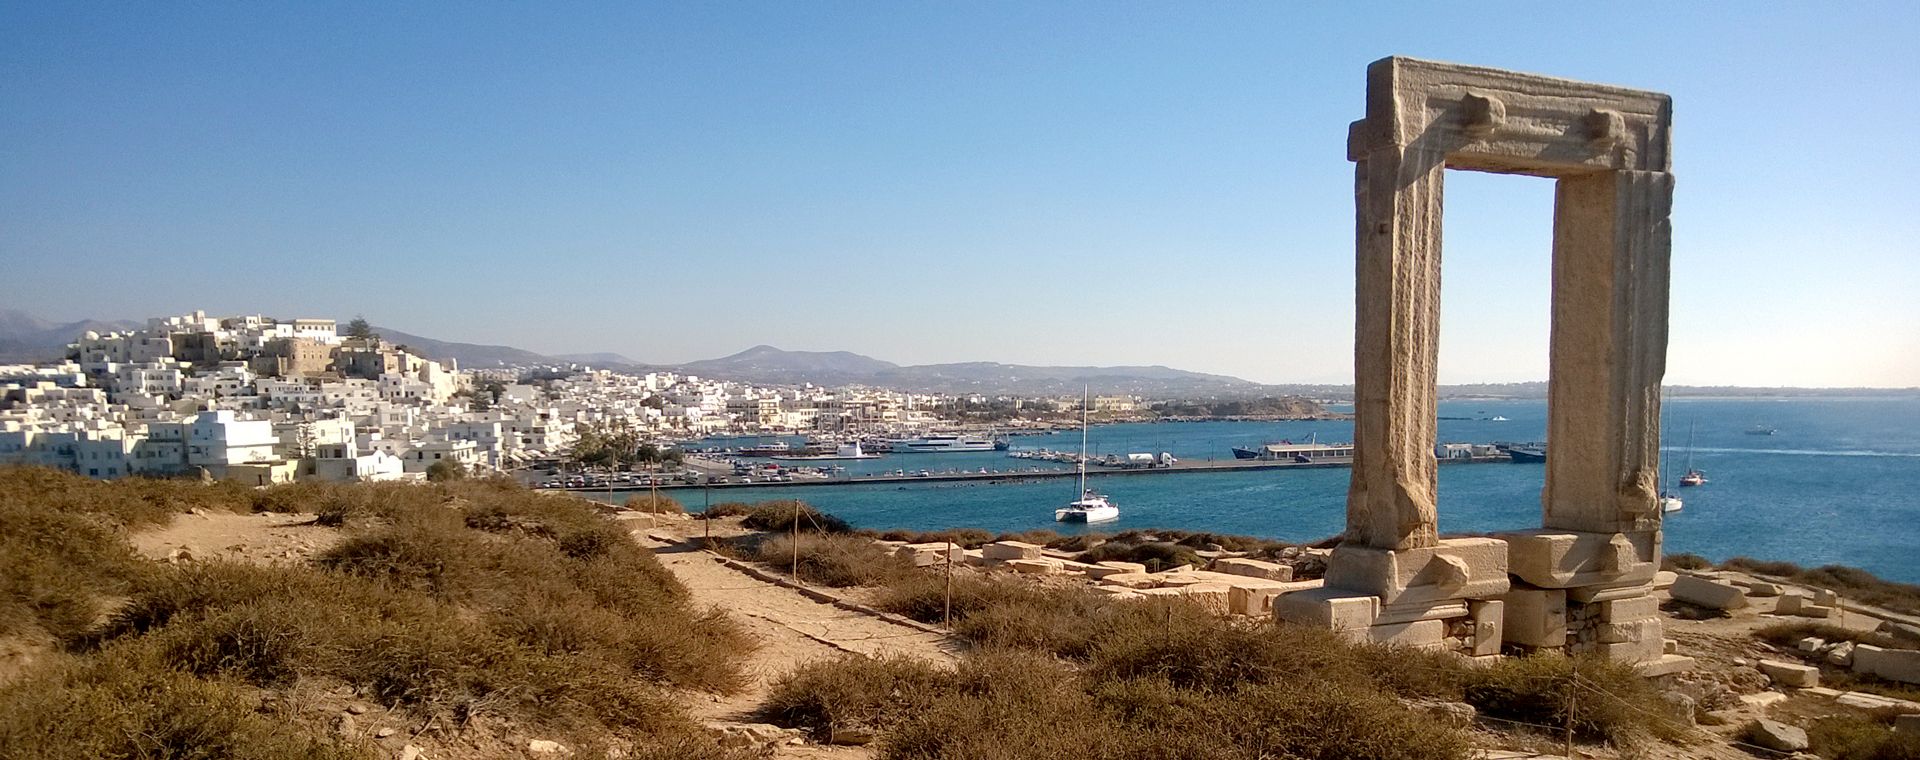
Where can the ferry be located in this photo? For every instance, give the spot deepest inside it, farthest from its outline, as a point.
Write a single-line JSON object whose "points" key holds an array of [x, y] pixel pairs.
{"points": [[1526, 453], [940, 443], [777, 448], [843, 451], [1303, 453]]}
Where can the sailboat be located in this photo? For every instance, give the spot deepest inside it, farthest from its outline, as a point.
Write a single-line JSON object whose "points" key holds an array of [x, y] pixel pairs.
{"points": [[1668, 501], [1693, 477], [1090, 507]]}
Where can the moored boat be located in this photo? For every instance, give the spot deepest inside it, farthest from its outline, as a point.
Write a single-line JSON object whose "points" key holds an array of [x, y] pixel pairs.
{"points": [[1090, 507], [1304, 453], [938, 443]]}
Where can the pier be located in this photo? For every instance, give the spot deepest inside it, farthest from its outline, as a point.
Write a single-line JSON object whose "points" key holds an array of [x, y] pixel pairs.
{"points": [[1234, 465]]}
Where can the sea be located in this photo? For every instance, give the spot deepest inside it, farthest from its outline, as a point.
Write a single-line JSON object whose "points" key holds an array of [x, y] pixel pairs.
{"points": [[1837, 483]]}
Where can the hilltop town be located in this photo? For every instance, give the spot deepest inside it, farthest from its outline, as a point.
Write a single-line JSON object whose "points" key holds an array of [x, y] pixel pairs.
{"points": [[260, 401]]}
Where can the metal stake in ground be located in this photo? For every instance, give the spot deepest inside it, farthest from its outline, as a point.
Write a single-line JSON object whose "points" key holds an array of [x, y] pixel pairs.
{"points": [[796, 540], [1573, 700], [946, 615]]}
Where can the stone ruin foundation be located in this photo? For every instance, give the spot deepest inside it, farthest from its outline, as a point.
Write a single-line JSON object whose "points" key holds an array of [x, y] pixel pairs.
{"points": [[1583, 581]]}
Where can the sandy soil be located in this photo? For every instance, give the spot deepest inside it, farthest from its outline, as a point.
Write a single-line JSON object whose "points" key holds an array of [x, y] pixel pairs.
{"points": [[262, 538], [792, 629]]}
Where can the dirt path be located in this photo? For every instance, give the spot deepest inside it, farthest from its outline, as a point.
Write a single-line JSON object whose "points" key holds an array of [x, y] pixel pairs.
{"points": [[264, 538], [792, 630]]}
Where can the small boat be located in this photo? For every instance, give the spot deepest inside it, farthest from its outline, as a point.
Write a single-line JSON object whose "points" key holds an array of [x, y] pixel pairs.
{"points": [[1496, 418], [1761, 430], [1090, 507]]}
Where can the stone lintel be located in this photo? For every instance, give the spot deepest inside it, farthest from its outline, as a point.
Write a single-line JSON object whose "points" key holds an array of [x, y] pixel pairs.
{"points": [[1455, 569], [1415, 634], [1329, 608], [1508, 122], [1566, 559], [1406, 613], [1610, 593]]}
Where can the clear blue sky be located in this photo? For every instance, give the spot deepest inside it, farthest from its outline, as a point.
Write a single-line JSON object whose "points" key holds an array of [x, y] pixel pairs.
{"points": [[1099, 183]]}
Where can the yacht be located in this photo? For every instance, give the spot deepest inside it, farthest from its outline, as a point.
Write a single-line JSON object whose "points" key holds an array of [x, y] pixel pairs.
{"points": [[1090, 507], [943, 442]]}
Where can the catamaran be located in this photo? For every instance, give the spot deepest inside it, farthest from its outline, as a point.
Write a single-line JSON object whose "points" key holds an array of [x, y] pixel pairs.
{"points": [[1090, 507]]}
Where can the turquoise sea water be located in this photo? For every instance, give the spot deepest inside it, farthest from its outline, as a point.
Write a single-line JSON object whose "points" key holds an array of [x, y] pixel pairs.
{"points": [[1839, 483]]}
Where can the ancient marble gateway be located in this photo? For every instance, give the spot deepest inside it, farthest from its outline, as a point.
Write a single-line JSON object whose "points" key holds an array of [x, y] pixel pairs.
{"points": [[1583, 579]]}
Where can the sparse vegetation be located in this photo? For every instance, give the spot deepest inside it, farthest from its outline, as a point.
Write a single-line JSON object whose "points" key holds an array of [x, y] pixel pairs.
{"points": [[1850, 583], [1850, 737], [463, 601], [779, 516], [654, 502], [832, 559], [1786, 635], [854, 692]]}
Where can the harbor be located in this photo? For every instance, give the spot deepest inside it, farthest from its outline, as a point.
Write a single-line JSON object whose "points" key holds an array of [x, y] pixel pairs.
{"points": [[1095, 467]]}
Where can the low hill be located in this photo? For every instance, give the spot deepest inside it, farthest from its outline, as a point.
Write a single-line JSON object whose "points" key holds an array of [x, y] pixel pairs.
{"points": [[25, 338]]}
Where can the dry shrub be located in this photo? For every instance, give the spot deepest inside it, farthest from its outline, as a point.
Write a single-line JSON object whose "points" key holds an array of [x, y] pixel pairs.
{"points": [[1849, 737], [1314, 718], [1007, 613], [654, 503], [453, 600], [852, 692], [1684, 561], [833, 560], [1614, 703], [1189, 648], [1157, 556], [1850, 582], [126, 704], [1005, 705], [1789, 634], [728, 509], [971, 538], [54, 568], [779, 516]]}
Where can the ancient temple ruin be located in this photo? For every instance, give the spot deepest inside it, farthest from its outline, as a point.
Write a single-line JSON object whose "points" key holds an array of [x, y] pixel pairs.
{"points": [[1583, 579]]}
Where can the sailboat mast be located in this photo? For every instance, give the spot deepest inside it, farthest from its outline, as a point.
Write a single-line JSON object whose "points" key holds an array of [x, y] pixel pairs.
{"points": [[1086, 396], [1689, 446]]}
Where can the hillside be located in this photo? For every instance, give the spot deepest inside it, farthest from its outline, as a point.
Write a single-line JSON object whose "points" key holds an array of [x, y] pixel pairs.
{"points": [[25, 338]]}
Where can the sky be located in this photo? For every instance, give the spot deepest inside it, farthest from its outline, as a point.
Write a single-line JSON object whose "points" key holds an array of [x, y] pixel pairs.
{"points": [[1041, 183]]}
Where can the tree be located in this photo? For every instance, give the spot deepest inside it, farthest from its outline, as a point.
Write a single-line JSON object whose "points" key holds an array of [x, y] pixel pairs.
{"points": [[445, 470], [359, 328]]}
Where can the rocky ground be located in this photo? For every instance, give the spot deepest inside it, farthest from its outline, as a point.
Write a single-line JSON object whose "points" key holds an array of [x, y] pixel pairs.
{"points": [[794, 626]]}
